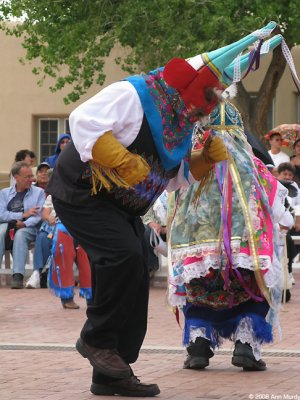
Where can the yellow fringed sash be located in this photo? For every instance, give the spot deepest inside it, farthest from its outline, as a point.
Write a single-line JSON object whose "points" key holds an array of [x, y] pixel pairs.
{"points": [[104, 177]]}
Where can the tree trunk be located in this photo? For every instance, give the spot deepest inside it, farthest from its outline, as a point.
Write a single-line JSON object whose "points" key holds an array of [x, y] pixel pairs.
{"points": [[254, 111]]}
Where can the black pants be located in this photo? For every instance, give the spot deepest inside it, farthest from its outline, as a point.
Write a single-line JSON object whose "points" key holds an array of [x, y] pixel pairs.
{"points": [[114, 242]]}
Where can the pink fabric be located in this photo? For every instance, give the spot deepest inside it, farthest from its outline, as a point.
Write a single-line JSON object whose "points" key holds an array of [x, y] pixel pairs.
{"points": [[266, 174], [264, 232]]}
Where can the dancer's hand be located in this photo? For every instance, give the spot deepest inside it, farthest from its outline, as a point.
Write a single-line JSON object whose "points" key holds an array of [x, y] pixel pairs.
{"points": [[203, 161], [214, 150], [109, 153]]}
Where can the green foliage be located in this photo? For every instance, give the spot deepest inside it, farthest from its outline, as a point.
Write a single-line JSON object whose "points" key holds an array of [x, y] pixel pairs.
{"points": [[72, 38]]}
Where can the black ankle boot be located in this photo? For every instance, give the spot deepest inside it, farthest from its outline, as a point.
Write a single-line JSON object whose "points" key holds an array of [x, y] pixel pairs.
{"points": [[199, 353], [243, 357]]}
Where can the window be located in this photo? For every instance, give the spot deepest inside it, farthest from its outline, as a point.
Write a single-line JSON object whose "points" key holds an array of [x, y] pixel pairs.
{"points": [[48, 137], [49, 131], [67, 127]]}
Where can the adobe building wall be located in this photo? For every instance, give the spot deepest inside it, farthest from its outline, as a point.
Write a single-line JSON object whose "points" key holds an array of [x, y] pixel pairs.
{"points": [[22, 101]]}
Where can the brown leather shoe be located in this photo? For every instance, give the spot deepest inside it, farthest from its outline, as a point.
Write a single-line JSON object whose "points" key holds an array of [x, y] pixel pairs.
{"points": [[106, 361], [71, 305], [131, 387]]}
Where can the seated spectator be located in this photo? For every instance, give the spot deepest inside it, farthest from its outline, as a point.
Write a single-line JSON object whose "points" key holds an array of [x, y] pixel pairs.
{"points": [[42, 175], [286, 174], [156, 219], [63, 140], [278, 156], [42, 248], [20, 216], [42, 251], [28, 157]]}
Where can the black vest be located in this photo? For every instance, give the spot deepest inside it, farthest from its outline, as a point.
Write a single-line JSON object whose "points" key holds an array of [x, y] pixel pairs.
{"points": [[71, 179]]}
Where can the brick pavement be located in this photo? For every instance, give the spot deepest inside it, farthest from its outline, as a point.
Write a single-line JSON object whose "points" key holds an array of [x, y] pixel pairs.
{"points": [[49, 368]]}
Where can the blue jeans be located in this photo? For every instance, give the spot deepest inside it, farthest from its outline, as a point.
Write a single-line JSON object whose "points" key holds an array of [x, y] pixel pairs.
{"points": [[42, 250], [23, 238]]}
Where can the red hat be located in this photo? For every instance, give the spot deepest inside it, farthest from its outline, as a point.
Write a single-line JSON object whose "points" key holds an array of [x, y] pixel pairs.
{"points": [[192, 84]]}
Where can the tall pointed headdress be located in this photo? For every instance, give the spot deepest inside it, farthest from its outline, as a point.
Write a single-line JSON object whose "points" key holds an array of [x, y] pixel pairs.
{"points": [[220, 68]]}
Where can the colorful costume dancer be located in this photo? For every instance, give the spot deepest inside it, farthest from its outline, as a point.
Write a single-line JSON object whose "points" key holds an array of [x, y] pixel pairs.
{"points": [[65, 252], [225, 272], [131, 141]]}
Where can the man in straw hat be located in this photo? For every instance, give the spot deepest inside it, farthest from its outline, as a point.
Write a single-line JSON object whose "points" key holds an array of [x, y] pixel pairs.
{"points": [[131, 141]]}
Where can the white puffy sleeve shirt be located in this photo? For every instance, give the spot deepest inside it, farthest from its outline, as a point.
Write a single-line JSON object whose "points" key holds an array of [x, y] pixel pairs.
{"points": [[116, 108]]}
